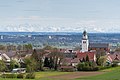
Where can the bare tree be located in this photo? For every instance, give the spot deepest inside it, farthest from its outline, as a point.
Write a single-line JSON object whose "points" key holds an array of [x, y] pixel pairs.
{"points": [[57, 56]]}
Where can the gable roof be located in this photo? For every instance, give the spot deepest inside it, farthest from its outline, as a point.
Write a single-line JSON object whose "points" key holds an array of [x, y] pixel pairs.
{"points": [[69, 61], [75, 60], [11, 53], [115, 56], [66, 67], [4, 57], [66, 60], [82, 55]]}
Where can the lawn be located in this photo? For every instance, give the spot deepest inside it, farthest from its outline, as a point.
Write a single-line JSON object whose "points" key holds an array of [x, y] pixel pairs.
{"points": [[41, 75], [49, 73], [111, 74]]}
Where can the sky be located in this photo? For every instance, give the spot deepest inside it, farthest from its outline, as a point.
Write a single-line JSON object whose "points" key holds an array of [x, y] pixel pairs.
{"points": [[60, 16]]}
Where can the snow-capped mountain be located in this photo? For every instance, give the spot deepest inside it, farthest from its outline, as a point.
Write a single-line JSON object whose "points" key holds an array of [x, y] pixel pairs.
{"points": [[57, 28]]}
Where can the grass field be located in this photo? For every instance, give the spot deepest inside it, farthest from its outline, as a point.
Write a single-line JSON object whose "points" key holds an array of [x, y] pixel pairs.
{"points": [[50, 73], [111, 74], [41, 76]]}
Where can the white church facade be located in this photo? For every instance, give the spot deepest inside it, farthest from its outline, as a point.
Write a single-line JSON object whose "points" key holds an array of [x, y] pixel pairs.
{"points": [[85, 42]]}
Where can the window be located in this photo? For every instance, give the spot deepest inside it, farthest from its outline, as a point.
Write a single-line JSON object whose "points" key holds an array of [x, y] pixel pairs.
{"points": [[84, 41]]}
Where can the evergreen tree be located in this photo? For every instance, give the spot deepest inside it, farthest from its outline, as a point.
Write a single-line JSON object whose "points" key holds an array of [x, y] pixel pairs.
{"points": [[2, 66], [87, 58], [83, 59], [51, 65], [46, 62]]}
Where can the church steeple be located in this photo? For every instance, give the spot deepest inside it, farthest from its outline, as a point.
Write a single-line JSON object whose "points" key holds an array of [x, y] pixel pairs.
{"points": [[85, 42], [85, 35]]}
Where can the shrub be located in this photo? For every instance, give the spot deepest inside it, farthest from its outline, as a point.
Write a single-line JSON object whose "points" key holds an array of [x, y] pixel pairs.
{"points": [[30, 76], [105, 67], [96, 68], [68, 69], [80, 66], [9, 76], [20, 76], [115, 63], [87, 66]]}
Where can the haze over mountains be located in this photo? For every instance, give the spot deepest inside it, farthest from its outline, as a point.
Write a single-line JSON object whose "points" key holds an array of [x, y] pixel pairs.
{"points": [[58, 28]]}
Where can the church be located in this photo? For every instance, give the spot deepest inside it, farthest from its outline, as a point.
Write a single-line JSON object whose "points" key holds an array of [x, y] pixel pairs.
{"points": [[89, 49], [86, 46], [85, 49], [85, 42]]}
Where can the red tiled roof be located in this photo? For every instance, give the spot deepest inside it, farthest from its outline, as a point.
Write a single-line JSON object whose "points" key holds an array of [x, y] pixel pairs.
{"points": [[70, 60], [115, 56], [82, 55], [75, 60], [66, 67], [67, 60]]}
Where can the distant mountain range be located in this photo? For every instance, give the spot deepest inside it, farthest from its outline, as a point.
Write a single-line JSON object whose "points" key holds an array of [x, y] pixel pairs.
{"points": [[57, 28], [70, 39], [54, 33]]}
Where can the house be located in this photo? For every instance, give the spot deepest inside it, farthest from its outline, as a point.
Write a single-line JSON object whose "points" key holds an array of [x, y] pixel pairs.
{"points": [[5, 58], [83, 55], [67, 68], [10, 54], [113, 57], [19, 55], [66, 61], [99, 46], [70, 62], [70, 54], [75, 61]]}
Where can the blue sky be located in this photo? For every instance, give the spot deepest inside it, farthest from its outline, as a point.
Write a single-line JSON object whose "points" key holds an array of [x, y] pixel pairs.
{"points": [[60, 15]]}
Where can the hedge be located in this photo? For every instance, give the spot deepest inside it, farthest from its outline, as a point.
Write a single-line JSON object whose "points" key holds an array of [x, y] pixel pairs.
{"points": [[30, 76], [9, 75]]}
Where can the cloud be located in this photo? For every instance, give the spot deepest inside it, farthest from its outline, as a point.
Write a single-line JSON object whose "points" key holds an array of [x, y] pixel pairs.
{"points": [[28, 18], [4, 6], [20, 1], [51, 24], [34, 10]]}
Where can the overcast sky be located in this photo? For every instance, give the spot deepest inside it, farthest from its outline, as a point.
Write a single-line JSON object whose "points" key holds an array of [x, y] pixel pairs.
{"points": [[60, 15]]}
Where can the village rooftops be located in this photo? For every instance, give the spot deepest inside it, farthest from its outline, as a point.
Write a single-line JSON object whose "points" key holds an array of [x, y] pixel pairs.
{"points": [[115, 56], [82, 55]]}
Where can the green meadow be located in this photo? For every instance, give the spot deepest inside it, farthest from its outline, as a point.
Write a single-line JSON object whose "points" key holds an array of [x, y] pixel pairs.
{"points": [[111, 74]]}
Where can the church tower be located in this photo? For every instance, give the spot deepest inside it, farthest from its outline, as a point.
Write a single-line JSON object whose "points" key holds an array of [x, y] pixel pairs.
{"points": [[85, 42]]}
